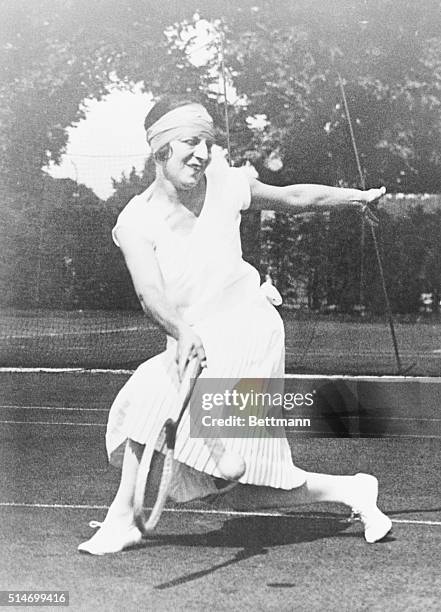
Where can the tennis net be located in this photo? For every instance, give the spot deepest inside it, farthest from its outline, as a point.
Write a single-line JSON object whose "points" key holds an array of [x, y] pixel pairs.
{"points": [[77, 339]]}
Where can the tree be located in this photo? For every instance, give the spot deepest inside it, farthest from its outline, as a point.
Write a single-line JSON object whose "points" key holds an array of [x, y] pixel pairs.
{"points": [[280, 64], [285, 65]]}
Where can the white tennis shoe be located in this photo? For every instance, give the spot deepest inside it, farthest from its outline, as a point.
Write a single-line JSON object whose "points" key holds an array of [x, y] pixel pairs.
{"points": [[376, 524], [109, 539]]}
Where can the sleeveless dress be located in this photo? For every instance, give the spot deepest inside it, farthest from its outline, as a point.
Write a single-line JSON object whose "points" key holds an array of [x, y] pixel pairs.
{"points": [[217, 293]]}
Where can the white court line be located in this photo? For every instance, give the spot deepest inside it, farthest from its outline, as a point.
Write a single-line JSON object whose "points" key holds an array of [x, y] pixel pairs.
{"points": [[214, 512], [364, 436], [372, 353], [82, 333], [18, 407], [13, 370], [52, 423], [382, 378], [289, 430], [353, 417]]}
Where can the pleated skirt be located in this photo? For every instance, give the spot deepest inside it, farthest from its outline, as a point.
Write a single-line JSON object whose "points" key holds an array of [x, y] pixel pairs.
{"points": [[244, 341]]}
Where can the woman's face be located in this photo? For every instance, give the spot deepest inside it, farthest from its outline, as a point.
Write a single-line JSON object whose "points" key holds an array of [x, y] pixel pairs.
{"points": [[189, 158]]}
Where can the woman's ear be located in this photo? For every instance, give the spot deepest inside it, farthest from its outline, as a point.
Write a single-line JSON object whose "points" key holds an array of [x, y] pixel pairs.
{"points": [[163, 154]]}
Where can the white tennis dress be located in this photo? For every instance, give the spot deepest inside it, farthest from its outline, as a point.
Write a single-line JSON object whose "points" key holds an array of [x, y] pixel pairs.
{"points": [[219, 294]]}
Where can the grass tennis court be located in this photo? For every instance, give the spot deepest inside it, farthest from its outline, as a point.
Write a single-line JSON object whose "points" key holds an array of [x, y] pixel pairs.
{"points": [[55, 479], [125, 339]]}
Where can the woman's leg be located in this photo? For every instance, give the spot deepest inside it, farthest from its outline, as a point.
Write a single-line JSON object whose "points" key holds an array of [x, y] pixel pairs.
{"points": [[359, 492], [317, 488], [122, 505], [118, 531]]}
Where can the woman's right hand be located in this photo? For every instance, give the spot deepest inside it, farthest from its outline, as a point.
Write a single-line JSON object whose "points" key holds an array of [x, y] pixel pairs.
{"points": [[189, 346], [369, 206]]}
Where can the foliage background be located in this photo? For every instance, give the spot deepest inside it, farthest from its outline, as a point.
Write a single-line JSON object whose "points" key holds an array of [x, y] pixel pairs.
{"points": [[282, 62]]}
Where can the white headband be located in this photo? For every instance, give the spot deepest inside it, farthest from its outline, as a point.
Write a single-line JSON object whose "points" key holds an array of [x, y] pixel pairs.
{"points": [[179, 123]]}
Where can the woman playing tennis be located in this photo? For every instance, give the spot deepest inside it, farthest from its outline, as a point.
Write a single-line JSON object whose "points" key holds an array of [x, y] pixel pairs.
{"points": [[180, 239]]}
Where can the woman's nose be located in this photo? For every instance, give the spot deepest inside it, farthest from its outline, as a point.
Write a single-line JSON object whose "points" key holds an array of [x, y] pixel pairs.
{"points": [[201, 150]]}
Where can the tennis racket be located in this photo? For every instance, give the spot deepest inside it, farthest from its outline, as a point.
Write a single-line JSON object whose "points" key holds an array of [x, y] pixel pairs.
{"points": [[168, 437]]}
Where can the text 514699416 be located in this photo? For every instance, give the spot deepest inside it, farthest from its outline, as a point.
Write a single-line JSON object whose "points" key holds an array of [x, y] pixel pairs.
{"points": [[34, 598]]}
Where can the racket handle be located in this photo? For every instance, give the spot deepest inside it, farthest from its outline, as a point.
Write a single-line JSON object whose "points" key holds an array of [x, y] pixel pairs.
{"points": [[170, 433], [191, 374]]}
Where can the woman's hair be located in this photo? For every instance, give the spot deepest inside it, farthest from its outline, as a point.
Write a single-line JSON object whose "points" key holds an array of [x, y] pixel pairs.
{"points": [[164, 105]]}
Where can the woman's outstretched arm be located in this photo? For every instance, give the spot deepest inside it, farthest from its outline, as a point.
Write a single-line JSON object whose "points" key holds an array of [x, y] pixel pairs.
{"points": [[310, 198]]}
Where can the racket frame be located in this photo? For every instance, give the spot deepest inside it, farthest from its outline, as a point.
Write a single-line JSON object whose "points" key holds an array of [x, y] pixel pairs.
{"points": [[168, 430]]}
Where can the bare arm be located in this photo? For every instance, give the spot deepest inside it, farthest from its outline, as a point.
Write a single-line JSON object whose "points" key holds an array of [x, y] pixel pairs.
{"points": [[309, 197], [149, 286]]}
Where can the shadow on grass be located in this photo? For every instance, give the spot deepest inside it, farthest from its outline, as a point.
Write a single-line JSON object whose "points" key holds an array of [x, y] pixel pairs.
{"points": [[254, 535]]}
